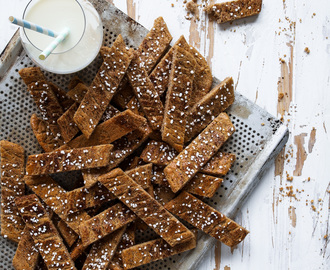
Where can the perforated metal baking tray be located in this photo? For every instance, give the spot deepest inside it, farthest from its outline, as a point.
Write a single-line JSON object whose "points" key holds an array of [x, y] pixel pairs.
{"points": [[259, 136]]}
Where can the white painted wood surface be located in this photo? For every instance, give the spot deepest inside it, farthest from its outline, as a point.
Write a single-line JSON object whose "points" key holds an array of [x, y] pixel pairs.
{"points": [[286, 232]]}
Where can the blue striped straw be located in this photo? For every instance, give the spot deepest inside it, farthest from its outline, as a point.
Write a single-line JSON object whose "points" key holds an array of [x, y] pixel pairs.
{"points": [[52, 46], [33, 26]]}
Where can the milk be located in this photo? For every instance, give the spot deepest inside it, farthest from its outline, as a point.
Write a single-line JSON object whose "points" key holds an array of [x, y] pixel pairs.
{"points": [[82, 44]]}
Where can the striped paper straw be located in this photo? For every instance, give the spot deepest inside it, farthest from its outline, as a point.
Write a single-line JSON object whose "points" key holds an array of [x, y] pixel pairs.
{"points": [[33, 26], [52, 46]]}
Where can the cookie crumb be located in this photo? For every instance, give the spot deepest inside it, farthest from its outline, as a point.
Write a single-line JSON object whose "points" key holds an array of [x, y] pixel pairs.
{"points": [[280, 96], [289, 178], [192, 8], [307, 50], [172, 5]]}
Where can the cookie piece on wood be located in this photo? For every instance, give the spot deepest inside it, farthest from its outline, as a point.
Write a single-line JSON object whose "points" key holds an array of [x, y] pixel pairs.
{"points": [[103, 87], [78, 92], [110, 130], [26, 255], [207, 219], [145, 93], [44, 135], [178, 98], [233, 10], [105, 223], [209, 107], [44, 233], [152, 251], [203, 185], [51, 193], [12, 186], [219, 164], [102, 252], [68, 127], [198, 152], [146, 207], [69, 160]]}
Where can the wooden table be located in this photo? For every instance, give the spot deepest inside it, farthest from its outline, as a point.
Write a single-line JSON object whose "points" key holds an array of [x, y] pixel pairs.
{"points": [[281, 61]]}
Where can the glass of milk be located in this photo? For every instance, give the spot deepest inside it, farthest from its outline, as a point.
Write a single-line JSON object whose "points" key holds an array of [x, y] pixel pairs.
{"points": [[80, 47]]}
